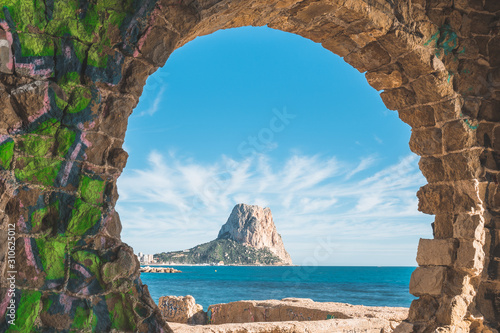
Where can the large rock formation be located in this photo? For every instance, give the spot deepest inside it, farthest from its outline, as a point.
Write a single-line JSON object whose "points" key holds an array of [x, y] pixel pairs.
{"points": [[254, 226], [249, 237]]}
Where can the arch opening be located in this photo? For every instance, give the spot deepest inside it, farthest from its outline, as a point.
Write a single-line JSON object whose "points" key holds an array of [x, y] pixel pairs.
{"points": [[340, 143], [67, 94]]}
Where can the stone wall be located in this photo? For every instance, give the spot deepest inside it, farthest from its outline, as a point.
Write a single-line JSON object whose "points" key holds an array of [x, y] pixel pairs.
{"points": [[71, 73]]}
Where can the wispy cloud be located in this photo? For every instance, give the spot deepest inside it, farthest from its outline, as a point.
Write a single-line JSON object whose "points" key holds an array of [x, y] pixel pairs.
{"points": [[155, 105], [177, 202]]}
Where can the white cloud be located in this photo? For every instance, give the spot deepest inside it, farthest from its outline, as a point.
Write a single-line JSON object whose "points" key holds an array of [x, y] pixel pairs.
{"points": [[177, 203], [155, 105]]}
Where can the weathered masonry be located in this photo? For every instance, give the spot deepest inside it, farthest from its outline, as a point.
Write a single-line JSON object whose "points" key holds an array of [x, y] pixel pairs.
{"points": [[71, 72]]}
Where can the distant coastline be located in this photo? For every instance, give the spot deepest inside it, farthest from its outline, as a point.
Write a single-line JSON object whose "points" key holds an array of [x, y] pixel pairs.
{"points": [[246, 265]]}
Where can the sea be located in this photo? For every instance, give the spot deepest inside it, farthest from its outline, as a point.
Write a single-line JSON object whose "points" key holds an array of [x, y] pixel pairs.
{"points": [[371, 286]]}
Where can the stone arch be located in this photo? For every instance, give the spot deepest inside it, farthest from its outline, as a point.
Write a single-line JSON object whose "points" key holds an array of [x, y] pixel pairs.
{"points": [[71, 73]]}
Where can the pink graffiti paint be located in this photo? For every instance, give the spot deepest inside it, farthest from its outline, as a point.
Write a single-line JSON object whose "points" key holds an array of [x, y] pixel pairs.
{"points": [[4, 304], [21, 224], [3, 138], [30, 257], [69, 165], [35, 72], [81, 269], [152, 19], [67, 301]]}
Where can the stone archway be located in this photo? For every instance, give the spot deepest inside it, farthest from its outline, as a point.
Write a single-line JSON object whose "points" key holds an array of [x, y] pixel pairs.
{"points": [[71, 73]]}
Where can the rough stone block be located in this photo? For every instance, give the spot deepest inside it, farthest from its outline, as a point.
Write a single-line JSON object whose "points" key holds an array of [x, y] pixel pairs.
{"points": [[451, 311], [180, 309], [432, 169], [421, 116], [462, 166], [457, 135], [159, 45], [447, 110], [485, 135], [468, 227], [370, 57], [388, 77], [114, 117], [396, 43], [6, 59], [96, 153], [427, 281], [470, 79], [118, 158], [496, 138], [436, 252], [443, 226], [489, 110], [467, 197], [432, 88], [31, 100], [434, 199], [423, 308], [8, 117], [470, 256], [416, 63], [398, 98], [341, 45], [426, 141]]}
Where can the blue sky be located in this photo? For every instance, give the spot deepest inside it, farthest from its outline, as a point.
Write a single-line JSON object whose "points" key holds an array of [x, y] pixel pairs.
{"points": [[260, 116]]}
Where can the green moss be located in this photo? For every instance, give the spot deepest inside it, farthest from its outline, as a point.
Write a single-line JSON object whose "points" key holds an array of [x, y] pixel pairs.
{"points": [[26, 312], [35, 145], [91, 190], [82, 319], [38, 215], [84, 217], [38, 170], [65, 139], [97, 56], [79, 96], [36, 45], [26, 13], [48, 127], [6, 153], [121, 313], [90, 260], [52, 252], [47, 303]]}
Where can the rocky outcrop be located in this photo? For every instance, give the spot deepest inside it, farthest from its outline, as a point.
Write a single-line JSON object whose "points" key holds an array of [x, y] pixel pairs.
{"points": [[253, 226], [148, 269], [290, 315], [249, 237], [182, 309], [221, 250], [299, 309]]}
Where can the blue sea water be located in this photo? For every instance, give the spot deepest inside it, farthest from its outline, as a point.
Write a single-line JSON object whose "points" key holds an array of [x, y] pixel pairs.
{"points": [[372, 286]]}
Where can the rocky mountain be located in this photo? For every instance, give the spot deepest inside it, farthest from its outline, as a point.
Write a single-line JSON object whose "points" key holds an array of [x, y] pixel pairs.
{"points": [[249, 237], [253, 226]]}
